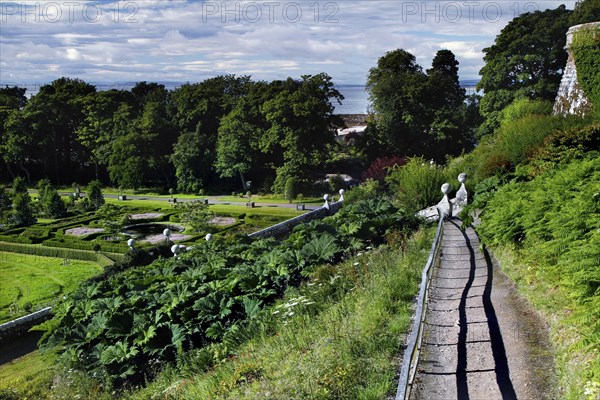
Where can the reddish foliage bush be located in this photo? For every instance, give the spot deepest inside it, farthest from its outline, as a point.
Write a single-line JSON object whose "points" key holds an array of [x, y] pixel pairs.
{"points": [[379, 169]]}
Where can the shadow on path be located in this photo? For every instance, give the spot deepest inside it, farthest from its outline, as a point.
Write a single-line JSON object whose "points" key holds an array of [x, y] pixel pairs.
{"points": [[462, 387], [498, 350]]}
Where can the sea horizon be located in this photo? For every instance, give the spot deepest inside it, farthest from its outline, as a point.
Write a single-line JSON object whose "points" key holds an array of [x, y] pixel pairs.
{"points": [[356, 97]]}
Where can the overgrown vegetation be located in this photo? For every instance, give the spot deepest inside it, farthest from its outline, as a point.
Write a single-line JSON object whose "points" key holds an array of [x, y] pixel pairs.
{"points": [[335, 337], [124, 328], [552, 223]]}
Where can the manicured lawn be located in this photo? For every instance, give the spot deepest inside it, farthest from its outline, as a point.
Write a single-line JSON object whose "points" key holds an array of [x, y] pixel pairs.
{"points": [[270, 199], [38, 280], [231, 209]]}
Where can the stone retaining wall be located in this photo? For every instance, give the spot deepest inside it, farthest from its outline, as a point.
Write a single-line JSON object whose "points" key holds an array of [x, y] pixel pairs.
{"points": [[286, 227], [21, 325]]}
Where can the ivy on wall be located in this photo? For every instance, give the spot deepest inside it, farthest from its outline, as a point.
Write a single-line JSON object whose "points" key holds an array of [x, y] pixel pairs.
{"points": [[586, 52]]}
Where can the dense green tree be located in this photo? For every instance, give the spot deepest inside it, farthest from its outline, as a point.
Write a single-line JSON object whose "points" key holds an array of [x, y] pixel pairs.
{"points": [[234, 147], [586, 11], [197, 113], [239, 145], [397, 87], [94, 195], [22, 211], [128, 162], [43, 132], [12, 100], [449, 131], [101, 125], [5, 207], [19, 185], [50, 204], [21, 146], [417, 113], [526, 60], [301, 126], [142, 139]]}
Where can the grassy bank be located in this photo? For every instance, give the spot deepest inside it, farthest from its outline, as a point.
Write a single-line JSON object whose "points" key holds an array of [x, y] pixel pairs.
{"points": [[31, 374], [30, 281], [337, 336]]}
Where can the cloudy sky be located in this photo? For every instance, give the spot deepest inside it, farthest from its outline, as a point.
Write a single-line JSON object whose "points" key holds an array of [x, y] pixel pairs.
{"points": [[112, 42]]}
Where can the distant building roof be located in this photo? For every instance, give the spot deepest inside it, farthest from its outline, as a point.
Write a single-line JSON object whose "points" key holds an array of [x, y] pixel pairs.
{"points": [[352, 129]]}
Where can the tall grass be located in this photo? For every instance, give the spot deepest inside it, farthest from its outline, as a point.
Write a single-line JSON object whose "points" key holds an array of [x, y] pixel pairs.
{"points": [[338, 336]]}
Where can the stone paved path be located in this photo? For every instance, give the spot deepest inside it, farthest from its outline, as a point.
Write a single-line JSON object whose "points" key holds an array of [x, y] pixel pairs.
{"points": [[477, 344]]}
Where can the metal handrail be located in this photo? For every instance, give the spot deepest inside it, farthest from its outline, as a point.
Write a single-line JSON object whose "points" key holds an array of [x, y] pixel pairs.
{"points": [[413, 350]]}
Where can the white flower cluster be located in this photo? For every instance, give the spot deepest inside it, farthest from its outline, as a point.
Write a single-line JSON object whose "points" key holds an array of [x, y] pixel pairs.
{"points": [[287, 310]]}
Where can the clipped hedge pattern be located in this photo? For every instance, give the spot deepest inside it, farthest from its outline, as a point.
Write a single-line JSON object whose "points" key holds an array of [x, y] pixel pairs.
{"points": [[48, 251]]}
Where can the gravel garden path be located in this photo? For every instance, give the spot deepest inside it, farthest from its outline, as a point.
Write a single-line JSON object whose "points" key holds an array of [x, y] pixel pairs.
{"points": [[481, 340]]}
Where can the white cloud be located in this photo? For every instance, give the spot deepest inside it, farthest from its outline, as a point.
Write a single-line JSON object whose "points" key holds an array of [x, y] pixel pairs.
{"points": [[189, 40]]}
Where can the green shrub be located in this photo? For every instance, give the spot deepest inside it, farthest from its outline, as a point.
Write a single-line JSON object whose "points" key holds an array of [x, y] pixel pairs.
{"points": [[148, 316], [416, 185], [290, 189], [336, 183], [74, 243], [524, 107], [519, 139], [563, 146], [19, 185], [22, 211], [94, 195], [369, 189]]}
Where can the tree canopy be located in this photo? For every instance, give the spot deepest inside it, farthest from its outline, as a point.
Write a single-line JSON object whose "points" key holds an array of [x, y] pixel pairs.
{"points": [[417, 113], [190, 138], [526, 60]]}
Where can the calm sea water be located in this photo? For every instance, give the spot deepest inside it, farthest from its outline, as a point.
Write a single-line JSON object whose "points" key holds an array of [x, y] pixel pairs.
{"points": [[356, 98]]}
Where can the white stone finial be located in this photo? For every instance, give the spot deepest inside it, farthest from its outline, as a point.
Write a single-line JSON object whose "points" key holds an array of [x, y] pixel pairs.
{"points": [[175, 249], [445, 188], [208, 237], [462, 195], [444, 206], [342, 191], [326, 198], [131, 243], [167, 233]]}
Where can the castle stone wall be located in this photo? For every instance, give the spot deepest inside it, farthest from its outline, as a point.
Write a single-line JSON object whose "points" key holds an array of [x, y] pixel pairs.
{"points": [[571, 99]]}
